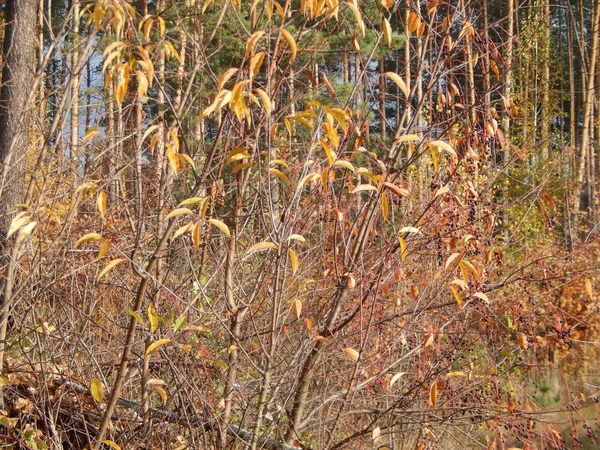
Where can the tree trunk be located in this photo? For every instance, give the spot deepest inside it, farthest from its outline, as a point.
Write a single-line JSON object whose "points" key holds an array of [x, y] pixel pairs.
{"points": [[15, 100]]}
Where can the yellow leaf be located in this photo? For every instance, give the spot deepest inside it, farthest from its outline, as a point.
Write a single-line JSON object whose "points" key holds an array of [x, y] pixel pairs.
{"points": [[192, 201], [252, 42], [297, 237], [290, 41], [456, 374], [225, 77], [182, 230], [403, 246], [109, 266], [293, 260], [588, 289], [398, 191], [97, 390], [155, 346], [351, 353], [261, 246], [221, 226], [135, 315], [152, 318], [265, 100], [149, 131], [363, 187], [385, 209], [142, 83], [297, 308], [111, 444], [89, 134], [344, 164], [482, 296], [256, 63], [163, 394], [457, 296], [387, 31], [444, 146], [101, 202], [399, 81], [279, 174], [409, 138], [178, 212], [451, 259], [358, 17], [90, 237], [196, 235], [103, 249]]}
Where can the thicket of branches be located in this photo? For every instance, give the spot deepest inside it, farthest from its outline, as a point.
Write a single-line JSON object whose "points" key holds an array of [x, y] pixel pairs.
{"points": [[314, 224]]}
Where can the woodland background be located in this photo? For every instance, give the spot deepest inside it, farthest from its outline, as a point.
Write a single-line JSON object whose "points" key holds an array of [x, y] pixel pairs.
{"points": [[286, 224]]}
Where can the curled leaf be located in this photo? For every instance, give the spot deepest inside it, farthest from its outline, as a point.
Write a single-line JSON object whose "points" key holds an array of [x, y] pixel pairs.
{"points": [[109, 266], [351, 353], [90, 237], [221, 226], [155, 346]]}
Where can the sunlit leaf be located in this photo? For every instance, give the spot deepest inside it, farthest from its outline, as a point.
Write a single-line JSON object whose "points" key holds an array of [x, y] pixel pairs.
{"points": [[433, 394], [152, 318], [396, 377], [109, 266], [97, 390], [399, 82], [293, 260], [221, 226], [17, 222], [344, 164], [178, 212], [262, 246], [398, 191], [101, 203], [290, 41], [409, 230], [482, 296], [387, 31], [89, 134], [163, 394], [297, 308], [111, 444], [279, 174], [444, 146], [179, 323], [363, 187], [155, 346], [351, 353], [135, 315], [297, 237], [90, 237], [451, 259], [456, 296]]}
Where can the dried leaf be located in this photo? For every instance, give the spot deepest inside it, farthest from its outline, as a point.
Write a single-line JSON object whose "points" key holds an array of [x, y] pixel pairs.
{"points": [[111, 444], [396, 377], [433, 394], [351, 353], [90, 237], [363, 187], [297, 308]]}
